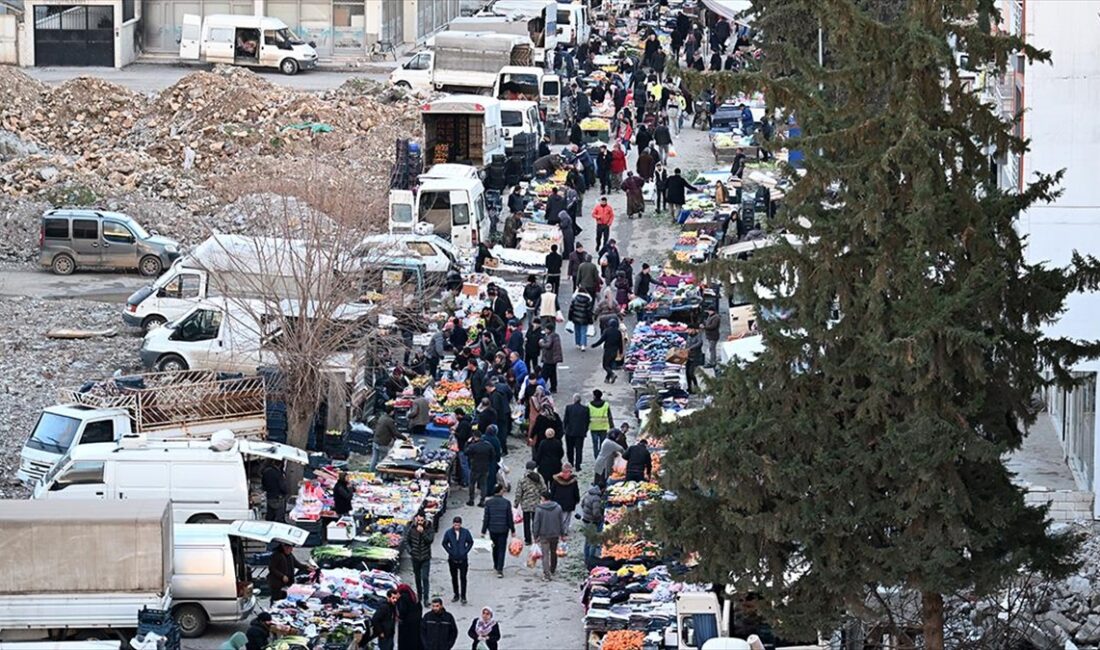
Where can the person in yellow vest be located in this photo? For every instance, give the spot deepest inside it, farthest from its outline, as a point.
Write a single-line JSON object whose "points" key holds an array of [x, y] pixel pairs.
{"points": [[600, 420]]}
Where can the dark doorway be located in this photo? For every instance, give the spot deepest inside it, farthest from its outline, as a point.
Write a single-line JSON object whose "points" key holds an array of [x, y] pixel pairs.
{"points": [[68, 35]]}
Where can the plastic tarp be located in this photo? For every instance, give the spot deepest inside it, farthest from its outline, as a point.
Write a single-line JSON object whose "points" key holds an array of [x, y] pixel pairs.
{"points": [[729, 9], [67, 546]]}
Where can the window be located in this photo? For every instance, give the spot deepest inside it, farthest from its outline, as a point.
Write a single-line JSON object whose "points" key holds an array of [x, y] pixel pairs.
{"points": [[420, 62], [421, 248], [53, 433], [85, 229], [118, 233], [182, 286], [127, 10], [101, 431], [349, 25], [511, 118], [460, 214], [56, 228], [221, 35], [80, 473], [563, 17], [202, 325]]}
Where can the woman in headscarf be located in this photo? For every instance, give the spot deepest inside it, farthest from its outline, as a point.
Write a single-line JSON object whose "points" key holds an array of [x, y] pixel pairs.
{"points": [[607, 309], [543, 416], [408, 618], [484, 629]]}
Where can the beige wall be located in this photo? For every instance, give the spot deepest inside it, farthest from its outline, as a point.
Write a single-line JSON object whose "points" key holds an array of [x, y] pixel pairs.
{"points": [[9, 39]]}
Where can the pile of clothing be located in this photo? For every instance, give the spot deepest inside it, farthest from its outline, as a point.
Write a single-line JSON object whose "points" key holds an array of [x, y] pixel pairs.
{"points": [[341, 600]]}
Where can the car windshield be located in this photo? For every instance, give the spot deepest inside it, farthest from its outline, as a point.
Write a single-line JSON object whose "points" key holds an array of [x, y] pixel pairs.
{"points": [[511, 118], [136, 228], [289, 36], [54, 433]]}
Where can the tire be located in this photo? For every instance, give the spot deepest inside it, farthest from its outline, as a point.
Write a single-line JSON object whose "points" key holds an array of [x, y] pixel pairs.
{"points": [[202, 518], [63, 265], [403, 85], [150, 266], [171, 363], [192, 620], [289, 67], [151, 323]]}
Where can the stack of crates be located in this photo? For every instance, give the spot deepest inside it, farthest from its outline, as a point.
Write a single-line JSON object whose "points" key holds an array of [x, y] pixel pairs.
{"points": [[159, 622], [360, 438], [495, 176], [277, 423], [408, 164], [522, 155]]}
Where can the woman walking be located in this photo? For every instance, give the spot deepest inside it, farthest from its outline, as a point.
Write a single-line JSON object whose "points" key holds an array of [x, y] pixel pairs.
{"points": [[612, 341], [484, 630], [580, 315]]}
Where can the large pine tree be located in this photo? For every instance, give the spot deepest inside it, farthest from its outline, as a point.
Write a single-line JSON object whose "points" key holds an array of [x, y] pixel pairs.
{"points": [[867, 452]]}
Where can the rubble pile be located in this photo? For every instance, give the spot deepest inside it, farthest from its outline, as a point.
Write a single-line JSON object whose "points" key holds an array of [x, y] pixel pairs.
{"points": [[88, 142], [36, 367]]}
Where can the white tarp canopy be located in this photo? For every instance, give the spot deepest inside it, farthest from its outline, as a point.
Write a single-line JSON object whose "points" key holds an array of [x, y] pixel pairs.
{"points": [[729, 9]]}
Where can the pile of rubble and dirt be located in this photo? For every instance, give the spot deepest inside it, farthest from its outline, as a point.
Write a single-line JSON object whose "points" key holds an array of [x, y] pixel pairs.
{"points": [[35, 368], [88, 142]]}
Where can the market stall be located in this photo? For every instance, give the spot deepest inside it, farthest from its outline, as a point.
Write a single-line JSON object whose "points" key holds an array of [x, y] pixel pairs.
{"points": [[655, 355]]}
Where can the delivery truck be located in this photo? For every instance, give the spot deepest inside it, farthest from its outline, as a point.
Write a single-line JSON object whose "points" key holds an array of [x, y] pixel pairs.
{"points": [[79, 570], [463, 62], [464, 129], [167, 405], [452, 206]]}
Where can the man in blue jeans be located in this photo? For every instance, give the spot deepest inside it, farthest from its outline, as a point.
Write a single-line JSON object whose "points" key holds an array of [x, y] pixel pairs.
{"points": [[497, 521]]}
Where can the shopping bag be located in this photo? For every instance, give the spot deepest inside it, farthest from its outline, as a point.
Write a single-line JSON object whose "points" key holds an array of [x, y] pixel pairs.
{"points": [[619, 467], [481, 645], [591, 330], [483, 545], [517, 515], [534, 555], [671, 152], [562, 549], [515, 545], [569, 327]]}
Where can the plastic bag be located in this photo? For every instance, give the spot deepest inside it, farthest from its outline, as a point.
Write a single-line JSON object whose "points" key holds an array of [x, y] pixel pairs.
{"points": [[562, 549], [591, 331], [517, 515], [671, 152], [620, 466], [515, 546], [534, 555], [481, 645], [569, 327]]}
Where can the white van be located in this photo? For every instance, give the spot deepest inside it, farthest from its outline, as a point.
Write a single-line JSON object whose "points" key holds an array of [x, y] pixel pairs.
{"points": [[573, 25], [203, 483], [519, 117], [437, 254], [254, 41], [455, 208], [226, 335], [211, 583]]}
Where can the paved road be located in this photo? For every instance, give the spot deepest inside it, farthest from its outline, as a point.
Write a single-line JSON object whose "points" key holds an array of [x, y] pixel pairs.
{"points": [[99, 287], [154, 77]]}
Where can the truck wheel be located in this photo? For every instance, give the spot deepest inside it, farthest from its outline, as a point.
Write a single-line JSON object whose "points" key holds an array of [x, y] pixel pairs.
{"points": [[289, 67], [150, 266], [205, 518], [151, 323], [171, 363], [63, 265], [192, 620], [403, 85]]}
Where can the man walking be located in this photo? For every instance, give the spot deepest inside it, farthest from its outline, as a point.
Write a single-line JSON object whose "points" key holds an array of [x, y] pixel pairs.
{"points": [[712, 327], [546, 528], [676, 191], [458, 541], [553, 271], [551, 356], [385, 432], [419, 541], [576, 428], [496, 520], [480, 454], [438, 630], [604, 216], [600, 420]]}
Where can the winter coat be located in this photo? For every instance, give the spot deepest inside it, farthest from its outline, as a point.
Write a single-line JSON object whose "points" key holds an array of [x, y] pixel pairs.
{"points": [[645, 165], [529, 491], [548, 305], [580, 309], [341, 498], [618, 161], [548, 455], [712, 326], [485, 418], [576, 258], [642, 138], [547, 521], [588, 277], [531, 294], [603, 214], [519, 371], [639, 462], [568, 233], [576, 420], [608, 451], [458, 545], [553, 264], [384, 622], [515, 341], [438, 631], [420, 413], [661, 136], [480, 455], [492, 641], [501, 401], [551, 348], [564, 492], [641, 287], [385, 430], [612, 341], [555, 204], [592, 506], [497, 517], [477, 385], [408, 623], [420, 544], [676, 189]]}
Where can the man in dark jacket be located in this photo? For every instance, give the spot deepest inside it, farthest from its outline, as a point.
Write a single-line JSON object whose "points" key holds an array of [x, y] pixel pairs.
{"points": [[547, 529], [532, 292], [497, 521], [576, 258], [712, 326], [515, 338], [531, 349], [438, 630], [383, 624], [500, 398], [555, 203], [273, 480], [639, 463], [480, 453], [576, 428], [486, 414], [419, 542], [385, 432], [603, 161], [642, 286], [675, 192], [588, 277], [551, 356], [259, 632], [463, 430], [458, 541], [553, 274], [475, 376], [663, 139], [281, 569], [516, 202]]}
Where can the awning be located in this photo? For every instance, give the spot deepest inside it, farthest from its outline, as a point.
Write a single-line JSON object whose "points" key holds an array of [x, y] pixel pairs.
{"points": [[729, 9]]}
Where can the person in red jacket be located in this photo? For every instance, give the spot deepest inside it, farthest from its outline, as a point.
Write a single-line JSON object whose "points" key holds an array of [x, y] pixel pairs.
{"points": [[618, 166], [604, 215]]}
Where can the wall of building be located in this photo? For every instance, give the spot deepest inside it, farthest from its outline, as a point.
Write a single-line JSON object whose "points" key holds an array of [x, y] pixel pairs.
{"points": [[9, 39], [1060, 121]]}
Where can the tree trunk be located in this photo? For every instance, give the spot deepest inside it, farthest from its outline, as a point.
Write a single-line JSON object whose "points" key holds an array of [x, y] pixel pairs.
{"points": [[932, 620], [299, 423]]}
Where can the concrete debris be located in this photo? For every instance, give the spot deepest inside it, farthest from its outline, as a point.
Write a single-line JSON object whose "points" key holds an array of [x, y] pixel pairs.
{"points": [[91, 143]]}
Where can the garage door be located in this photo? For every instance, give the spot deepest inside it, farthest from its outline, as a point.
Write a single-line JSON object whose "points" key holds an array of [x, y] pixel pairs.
{"points": [[74, 35]]}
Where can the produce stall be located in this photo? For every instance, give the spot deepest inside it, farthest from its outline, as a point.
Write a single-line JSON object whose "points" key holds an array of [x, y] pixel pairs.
{"points": [[724, 146], [596, 129]]}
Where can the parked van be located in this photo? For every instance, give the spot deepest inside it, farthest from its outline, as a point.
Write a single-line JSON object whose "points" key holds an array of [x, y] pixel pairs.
{"points": [[526, 83], [573, 25], [211, 583], [254, 41], [454, 207], [202, 482], [227, 335], [70, 239], [519, 117]]}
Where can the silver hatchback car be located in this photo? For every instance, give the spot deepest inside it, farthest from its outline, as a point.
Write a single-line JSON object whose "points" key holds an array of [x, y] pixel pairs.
{"points": [[96, 239]]}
